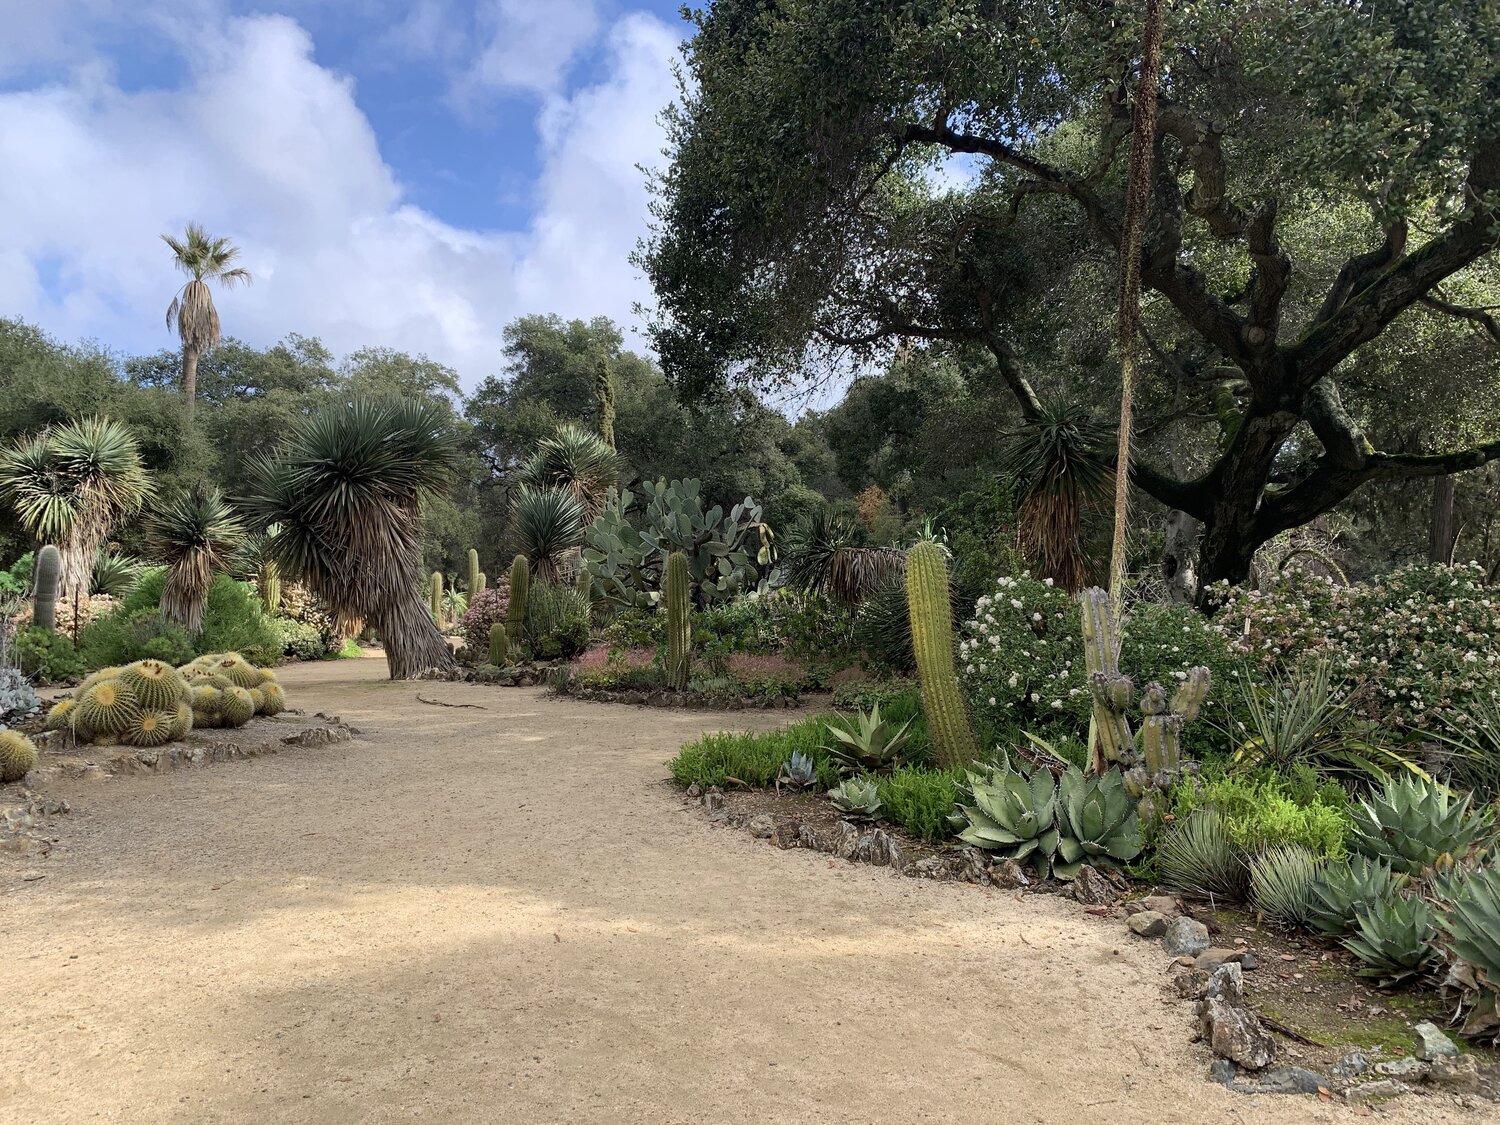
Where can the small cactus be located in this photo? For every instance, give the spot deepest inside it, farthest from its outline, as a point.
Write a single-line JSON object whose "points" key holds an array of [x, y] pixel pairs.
{"points": [[437, 597], [1112, 692], [679, 620], [520, 586], [17, 755], [484, 582], [44, 603], [270, 588], [931, 614], [499, 649]]}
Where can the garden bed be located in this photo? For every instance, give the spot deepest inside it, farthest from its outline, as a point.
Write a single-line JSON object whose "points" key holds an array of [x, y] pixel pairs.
{"points": [[689, 700]]}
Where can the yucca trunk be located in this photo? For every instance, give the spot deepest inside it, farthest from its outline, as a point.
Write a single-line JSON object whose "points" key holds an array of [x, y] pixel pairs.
{"points": [[411, 638], [77, 568]]}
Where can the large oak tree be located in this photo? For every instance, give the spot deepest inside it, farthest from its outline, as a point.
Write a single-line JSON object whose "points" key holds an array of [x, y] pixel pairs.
{"points": [[847, 174]]}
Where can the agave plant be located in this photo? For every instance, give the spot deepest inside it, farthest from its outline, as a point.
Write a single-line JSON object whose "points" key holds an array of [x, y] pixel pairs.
{"points": [[70, 485], [1393, 937], [196, 536], [549, 524], [1342, 889], [1281, 884], [1472, 923], [797, 772], [577, 461], [867, 743], [857, 798], [1013, 814], [1416, 824], [345, 493], [1197, 857], [1097, 820]]}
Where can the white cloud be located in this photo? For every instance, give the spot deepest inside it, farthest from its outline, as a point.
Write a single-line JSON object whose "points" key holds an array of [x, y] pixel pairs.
{"points": [[263, 145], [528, 46]]}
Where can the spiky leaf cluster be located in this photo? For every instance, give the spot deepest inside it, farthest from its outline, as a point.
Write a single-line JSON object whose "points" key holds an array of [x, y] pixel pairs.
{"points": [[866, 743], [858, 798], [1341, 890], [1394, 939], [1281, 884], [1416, 824]]}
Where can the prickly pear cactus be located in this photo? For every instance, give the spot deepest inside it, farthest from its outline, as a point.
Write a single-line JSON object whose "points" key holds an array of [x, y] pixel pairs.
{"points": [[679, 620], [520, 586], [931, 615], [44, 603]]}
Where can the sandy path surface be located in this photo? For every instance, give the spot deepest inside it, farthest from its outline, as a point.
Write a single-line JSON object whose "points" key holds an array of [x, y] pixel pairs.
{"points": [[502, 915]]}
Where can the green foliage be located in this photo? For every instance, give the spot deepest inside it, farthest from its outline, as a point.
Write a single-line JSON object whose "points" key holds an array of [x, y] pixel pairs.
{"points": [[135, 629], [858, 798], [1197, 857], [636, 628], [678, 623], [1417, 825], [866, 743], [557, 621], [17, 579], [1013, 814], [1097, 821], [1472, 924], [882, 628], [948, 729], [1341, 890], [115, 575], [1282, 880], [1394, 939], [1266, 810], [578, 462], [299, 639], [753, 758], [862, 695], [47, 657], [920, 800], [548, 524]]}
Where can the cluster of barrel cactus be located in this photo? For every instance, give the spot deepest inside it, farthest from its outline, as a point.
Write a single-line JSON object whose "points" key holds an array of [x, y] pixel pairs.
{"points": [[150, 703]]}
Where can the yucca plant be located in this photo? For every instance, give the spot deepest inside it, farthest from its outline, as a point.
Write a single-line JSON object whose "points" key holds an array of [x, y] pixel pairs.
{"points": [[823, 556], [1394, 939], [1097, 822], [70, 485], [1472, 733], [577, 461], [115, 575], [196, 535], [549, 524], [1197, 857], [1417, 825], [345, 489], [866, 743], [858, 798], [1281, 884], [1342, 889]]}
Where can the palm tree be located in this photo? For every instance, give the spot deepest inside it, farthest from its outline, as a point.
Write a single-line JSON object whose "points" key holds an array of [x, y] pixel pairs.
{"points": [[70, 485], [549, 524], [196, 535], [577, 461], [192, 314], [346, 488]]}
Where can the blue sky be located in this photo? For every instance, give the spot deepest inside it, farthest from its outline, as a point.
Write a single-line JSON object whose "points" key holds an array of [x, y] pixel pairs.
{"points": [[410, 173]]}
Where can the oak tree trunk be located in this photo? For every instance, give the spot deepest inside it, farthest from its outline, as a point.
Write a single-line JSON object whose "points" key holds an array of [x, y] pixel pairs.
{"points": [[1441, 539]]}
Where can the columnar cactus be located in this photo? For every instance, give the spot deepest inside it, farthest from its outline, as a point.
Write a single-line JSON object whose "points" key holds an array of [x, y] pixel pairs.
{"points": [[1112, 691], [520, 585], [604, 396], [931, 615], [474, 574], [437, 597], [679, 620], [483, 582], [499, 649], [270, 587], [44, 603]]}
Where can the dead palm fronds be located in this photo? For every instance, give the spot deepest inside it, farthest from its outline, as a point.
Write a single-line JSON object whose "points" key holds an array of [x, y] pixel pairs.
{"points": [[192, 314]]}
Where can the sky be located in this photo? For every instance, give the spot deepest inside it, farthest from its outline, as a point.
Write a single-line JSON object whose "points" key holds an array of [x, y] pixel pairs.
{"points": [[404, 173]]}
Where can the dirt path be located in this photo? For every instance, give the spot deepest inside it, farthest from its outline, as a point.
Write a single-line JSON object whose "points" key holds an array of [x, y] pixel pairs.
{"points": [[501, 915]]}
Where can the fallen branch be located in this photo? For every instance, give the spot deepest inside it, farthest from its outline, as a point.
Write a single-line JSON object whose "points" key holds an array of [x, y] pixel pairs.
{"points": [[1281, 1028], [440, 703]]}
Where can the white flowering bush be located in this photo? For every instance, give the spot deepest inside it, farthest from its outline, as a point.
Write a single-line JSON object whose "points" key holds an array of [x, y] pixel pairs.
{"points": [[1407, 649], [1021, 658]]}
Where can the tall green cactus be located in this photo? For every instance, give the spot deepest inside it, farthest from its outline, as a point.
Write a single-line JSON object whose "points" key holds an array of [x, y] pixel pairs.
{"points": [[474, 575], [520, 586], [1112, 692], [270, 587], [604, 398], [44, 597], [437, 597], [483, 582], [499, 649], [931, 614], [679, 620]]}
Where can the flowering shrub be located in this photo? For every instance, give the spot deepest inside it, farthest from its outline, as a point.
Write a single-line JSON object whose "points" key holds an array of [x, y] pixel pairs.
{"points": [[1021, 657], [1409, 647], [486, 608]]}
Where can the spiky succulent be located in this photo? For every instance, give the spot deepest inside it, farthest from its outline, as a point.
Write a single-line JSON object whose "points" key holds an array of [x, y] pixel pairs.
{"points": [[1342, 889], [60, 717], [150, 728], [182, 721], [1097, 822], [1281, 883], [107, 708], [1394, 939], [1196, 856], [236, 707], [17, 755], [866, 743], [110, 673], [272, 699], [156, 685], [857, 798], [1472, 924], [1014, 815], [797, 772], [1416, 825], [239, 671]]}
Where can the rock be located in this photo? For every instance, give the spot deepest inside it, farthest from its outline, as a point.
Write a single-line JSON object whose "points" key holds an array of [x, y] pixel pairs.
{"points": [[1223, 1072], [807, 837], [1168, 905], [1235, 1033], [930, 868], [878, 848], [713, 803], [1185, 937], [695, 790], [788, 834], [1226, 983], [1190, 984], [1008, 874], [1092, 889], [1147, 923], [1375, 1091], [1352, 1065], [1454, 1072], [1285, 1080], [1248, 961], [761, 826], [845, 840], [1432, 1043], [1402, 1068], [1212, 958]]}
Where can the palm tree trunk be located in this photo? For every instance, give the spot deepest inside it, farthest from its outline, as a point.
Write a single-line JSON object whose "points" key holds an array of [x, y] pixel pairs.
{"points": [[412, 642], [189, 375]]}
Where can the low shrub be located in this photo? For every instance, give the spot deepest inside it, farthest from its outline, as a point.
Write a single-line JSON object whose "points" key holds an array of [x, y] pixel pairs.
{"points": [[888, 695], [557, 622], [135, 630], [919, 800], [1268, 810], [299, 640], [635, 628], [47, 657], [753, 758], [486, 608]]}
